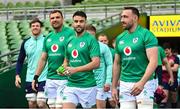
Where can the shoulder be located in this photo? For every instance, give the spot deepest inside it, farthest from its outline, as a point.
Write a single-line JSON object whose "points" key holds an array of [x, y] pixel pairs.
{"points": [[26, 40], [145, 32], [160, 48], [122, 35], [90, 36], [68, 30], [49, 35]]}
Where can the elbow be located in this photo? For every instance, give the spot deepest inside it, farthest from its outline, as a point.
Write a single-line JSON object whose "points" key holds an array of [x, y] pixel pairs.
{"points": [[155, 64]]}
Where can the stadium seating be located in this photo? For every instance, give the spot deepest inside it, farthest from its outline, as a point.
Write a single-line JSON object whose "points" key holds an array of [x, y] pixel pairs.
{"points": [[89, 2], [13, 32], [46, 3]]}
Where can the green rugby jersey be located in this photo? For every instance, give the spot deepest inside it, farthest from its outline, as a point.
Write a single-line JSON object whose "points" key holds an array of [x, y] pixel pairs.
{"points": [[79, 52], [132, 50], [54, 46]]}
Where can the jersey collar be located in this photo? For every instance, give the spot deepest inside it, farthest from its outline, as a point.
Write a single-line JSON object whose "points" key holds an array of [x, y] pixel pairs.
{"points": [[39, 37]]}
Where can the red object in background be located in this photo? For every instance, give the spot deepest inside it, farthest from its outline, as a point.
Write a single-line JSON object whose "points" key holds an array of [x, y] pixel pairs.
{"points": [[159, 95]]}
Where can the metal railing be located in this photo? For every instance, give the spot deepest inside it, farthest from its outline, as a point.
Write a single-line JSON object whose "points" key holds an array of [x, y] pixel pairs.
{"points": [[106, 22], [93, 11], [7, 61]]}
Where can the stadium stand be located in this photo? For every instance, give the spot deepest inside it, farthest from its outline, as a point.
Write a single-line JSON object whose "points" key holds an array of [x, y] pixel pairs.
{"points": [[20, 4], [13, 32], [88, 2]]}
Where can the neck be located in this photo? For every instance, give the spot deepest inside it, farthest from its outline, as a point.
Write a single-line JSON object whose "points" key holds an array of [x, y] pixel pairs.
{"points": [[79, 34], [36, 36], [133, 28], [58, 29]]}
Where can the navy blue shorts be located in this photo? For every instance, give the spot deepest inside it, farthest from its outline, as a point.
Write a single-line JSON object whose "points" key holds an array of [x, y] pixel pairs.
{"points": [[170, 88], [40, 87]]}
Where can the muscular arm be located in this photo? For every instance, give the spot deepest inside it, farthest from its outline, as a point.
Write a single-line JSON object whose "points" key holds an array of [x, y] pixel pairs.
{"points": [[95, 62], [152, 55], [116, 71], [41, 63], [116, 75]]}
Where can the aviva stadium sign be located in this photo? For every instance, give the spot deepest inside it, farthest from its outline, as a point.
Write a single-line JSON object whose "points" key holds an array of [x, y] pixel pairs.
{"points": [[165, 25]]}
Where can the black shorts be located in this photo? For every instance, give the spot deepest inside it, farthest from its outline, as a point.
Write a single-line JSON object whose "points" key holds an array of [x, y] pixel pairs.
{"points": [[172, 88], [40, 87]]}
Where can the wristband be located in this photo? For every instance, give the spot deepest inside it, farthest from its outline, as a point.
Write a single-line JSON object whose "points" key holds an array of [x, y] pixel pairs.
{"points": [[36, 77]]}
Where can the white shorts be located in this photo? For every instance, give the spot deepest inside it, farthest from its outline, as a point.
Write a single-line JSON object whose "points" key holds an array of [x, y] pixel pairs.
{"points": [[40, 96], [101, 95], [156, 83], [54, 89], [109, 95], [147, 93], [85, 96]]}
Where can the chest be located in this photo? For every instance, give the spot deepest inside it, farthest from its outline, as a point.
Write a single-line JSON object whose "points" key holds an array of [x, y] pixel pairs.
{"points": [[80, 45], [131, 44], [55, 43], [33, 46]]}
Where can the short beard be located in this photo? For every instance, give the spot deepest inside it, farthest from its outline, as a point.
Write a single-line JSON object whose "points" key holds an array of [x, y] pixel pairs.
{"points": [[128, 27], [56, 28], [79, 32]]}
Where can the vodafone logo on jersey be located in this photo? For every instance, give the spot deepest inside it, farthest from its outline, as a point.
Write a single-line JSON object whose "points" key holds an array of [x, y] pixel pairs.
{"points": [[74, 53], [54, 47], [127, 51]]}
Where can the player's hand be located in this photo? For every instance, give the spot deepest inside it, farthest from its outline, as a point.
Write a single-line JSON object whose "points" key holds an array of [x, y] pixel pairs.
{"points": [[115, 95], [71, 70], [35, 83], [137, 88], [18, 81], [66, 73], [171, 81], [107, 87]]}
